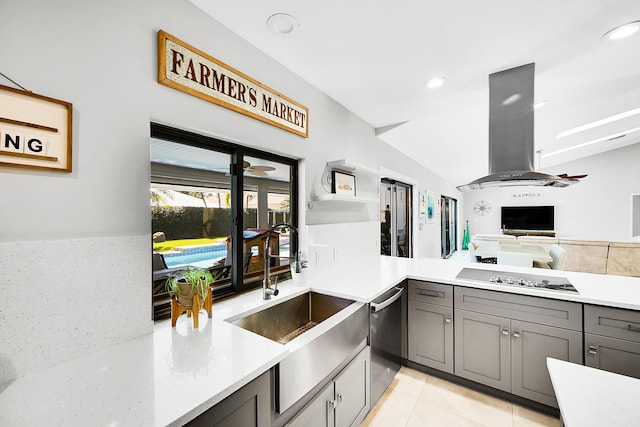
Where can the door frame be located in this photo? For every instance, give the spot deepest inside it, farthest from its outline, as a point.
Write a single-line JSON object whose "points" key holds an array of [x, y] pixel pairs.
{"points": [[413, 182]]}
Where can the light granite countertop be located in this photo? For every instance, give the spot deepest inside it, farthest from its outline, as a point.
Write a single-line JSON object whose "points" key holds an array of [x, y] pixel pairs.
{"points": [[590, 397], [174, 374]]}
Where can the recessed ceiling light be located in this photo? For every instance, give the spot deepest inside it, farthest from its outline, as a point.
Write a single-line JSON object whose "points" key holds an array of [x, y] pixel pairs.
{"points": [[435, 82], [282, 23], [623, 31], [600, 122]]}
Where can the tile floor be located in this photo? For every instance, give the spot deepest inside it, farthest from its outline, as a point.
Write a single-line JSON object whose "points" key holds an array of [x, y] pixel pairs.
{"points": [[417, 399]]}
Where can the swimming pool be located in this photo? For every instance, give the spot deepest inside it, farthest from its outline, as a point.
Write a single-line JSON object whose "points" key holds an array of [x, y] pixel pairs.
{"points": [[201, 256], [204, 256]]}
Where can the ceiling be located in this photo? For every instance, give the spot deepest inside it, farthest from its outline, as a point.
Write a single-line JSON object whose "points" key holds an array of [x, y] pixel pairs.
{"points": [[374, 58], [170, 153]]}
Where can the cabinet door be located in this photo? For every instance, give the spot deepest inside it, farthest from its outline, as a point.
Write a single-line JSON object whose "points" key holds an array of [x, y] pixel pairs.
{"points": [[483, 349], [352, 388], [613, 355], [249, 406], [319, 413], [431, 335], [531, 344]]}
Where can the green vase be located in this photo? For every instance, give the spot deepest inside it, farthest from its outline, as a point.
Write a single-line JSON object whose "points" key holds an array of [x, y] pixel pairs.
{"points": [[465, 238]]}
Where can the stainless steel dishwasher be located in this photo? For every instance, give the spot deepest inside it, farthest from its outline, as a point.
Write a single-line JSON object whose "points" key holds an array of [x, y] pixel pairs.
{"points": [[388, 335]]}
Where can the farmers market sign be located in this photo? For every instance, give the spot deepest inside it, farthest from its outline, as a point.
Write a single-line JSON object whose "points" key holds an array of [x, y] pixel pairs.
{"points": [[187, 69]]}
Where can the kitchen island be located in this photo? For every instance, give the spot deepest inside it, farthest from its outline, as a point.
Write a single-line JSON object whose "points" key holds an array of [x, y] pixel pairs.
{"points": [[175, 374], [592, 398]]}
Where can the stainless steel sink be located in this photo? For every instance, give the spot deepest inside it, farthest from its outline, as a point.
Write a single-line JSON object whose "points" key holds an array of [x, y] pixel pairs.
{"points": [[291, 318], [322, 333]]}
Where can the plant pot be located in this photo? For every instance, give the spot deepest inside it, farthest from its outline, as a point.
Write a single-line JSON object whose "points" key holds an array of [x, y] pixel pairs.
{"points": [[185, 296]]}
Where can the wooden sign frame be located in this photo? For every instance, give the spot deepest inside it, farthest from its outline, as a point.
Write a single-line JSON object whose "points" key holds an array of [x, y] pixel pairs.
{"points": [[189, 70], [35, 131]]}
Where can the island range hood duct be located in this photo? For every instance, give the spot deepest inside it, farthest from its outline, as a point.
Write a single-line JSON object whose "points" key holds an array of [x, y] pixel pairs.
{"points": [[511, 148]]}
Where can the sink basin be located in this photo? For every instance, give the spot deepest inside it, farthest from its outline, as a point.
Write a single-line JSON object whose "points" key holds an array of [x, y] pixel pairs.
{"points": [[322, 333], [291, 318]]}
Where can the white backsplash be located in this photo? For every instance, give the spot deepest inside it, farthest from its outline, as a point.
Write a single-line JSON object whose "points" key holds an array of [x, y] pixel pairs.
{"points": [[342, 242], [63, 299]]}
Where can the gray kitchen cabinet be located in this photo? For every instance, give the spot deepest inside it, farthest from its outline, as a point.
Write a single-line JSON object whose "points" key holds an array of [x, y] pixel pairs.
{"points": [[317, 413], [531, 344], [612, 339], [352, 392], [503, 340], [483, 350], [612, 354], [247, 407], [344, 402], [430, 325], [431, 335]]}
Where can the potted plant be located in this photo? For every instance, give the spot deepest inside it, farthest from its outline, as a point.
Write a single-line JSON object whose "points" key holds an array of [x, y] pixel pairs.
{"points": [[188, 282]]}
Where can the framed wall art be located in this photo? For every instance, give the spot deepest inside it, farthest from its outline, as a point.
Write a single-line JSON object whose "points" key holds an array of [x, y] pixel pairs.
{"points": [[431, 206], [423, 206], [343, 184], [35, 131], [188, 69]]}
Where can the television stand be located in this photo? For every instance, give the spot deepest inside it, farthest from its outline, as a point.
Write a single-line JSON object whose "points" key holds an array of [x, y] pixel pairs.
{"points": [[545, 233]]}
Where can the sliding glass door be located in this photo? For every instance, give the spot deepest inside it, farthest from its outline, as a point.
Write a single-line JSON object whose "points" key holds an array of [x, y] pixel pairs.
{"points": [[449, 231], [395, 219]]}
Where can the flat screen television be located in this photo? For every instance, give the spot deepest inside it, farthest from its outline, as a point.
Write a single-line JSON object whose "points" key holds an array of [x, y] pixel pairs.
{"points": [[527, 218]]}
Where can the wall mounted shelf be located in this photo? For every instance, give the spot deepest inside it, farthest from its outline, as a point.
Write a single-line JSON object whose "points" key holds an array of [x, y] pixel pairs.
{"points": [[347, 166], [367, 181], [369, 198]]}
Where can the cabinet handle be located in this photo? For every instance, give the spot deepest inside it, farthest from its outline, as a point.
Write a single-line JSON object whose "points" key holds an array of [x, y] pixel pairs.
{"points": [[633, 328], [332, 404], [505, 332], [339, 398], [516, 334], [428, 293], [593, 350], [447, 319]]}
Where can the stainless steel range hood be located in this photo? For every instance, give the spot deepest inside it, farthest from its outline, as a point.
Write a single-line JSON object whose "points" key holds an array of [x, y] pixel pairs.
{"points": [[511, 147]]}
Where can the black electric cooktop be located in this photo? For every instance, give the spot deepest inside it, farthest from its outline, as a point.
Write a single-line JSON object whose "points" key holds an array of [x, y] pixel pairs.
{"points": [[517, 279]]}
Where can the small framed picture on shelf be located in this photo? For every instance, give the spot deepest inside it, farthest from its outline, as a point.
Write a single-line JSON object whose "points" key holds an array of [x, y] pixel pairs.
{"points": [[343, 184]]}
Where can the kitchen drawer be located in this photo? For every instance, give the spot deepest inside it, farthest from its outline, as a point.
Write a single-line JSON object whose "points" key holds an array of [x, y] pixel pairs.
{"points": [[433, 293], [612, 322], [562, 314], [612, 354]]}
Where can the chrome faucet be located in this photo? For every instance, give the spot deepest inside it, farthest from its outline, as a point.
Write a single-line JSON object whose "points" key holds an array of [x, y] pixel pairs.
{"points": [[267, 290]]}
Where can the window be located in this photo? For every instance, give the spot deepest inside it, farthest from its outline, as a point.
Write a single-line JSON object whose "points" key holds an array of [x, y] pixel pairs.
{"points": [[200, 217]]}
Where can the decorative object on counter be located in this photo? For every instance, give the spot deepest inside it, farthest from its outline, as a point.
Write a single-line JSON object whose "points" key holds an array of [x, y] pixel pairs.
{"points": [[465, 237], [36, 131], [190, 291], [343, 184]]}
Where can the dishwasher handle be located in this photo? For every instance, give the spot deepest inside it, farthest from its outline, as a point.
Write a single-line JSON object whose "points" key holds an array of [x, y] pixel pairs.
{"points": [[376, 307]]}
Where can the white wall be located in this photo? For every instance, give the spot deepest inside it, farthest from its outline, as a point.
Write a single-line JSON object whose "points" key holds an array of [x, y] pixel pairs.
{"points": [[90, 230], [598, 207]]}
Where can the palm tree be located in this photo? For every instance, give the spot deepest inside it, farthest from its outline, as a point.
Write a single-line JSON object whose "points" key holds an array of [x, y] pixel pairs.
{"points": [[285, 205], [159, 196], [198, 195]]}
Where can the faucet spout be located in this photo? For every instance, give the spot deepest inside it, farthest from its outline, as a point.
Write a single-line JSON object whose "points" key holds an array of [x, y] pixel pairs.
{"points": [[267, 290]]}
